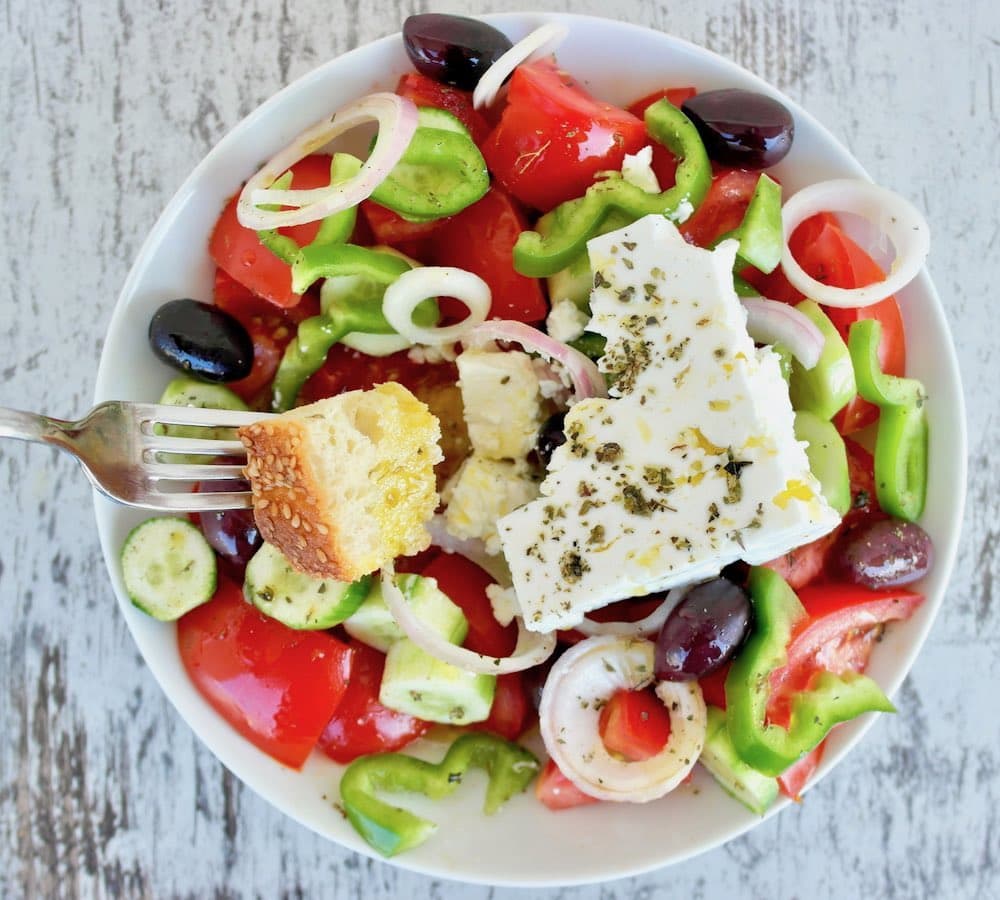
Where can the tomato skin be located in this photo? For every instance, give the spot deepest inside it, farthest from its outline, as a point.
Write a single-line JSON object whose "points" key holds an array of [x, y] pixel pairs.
{"points": [[557, 792], [805, 564], [276, 686], [511, 711], [481, 240], [426, 91], [631, 610], [361, 724], [723, 208], [635, 724], [465, 584], [676, 96], [864, 499], [239, 252], [390, 228], [794, 779], [553, 137], [713, 686]]}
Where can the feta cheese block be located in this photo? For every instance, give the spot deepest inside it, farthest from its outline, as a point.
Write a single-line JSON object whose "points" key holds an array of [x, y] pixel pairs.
{"points": [[482, 491], [691, 463], [502, 401]]}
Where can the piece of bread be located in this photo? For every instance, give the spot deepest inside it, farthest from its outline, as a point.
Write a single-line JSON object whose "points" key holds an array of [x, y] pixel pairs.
{"points": [[344, 485]]}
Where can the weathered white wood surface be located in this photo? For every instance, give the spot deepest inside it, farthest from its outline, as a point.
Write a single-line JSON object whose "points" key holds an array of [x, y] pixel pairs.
{"points": [[105, 107]]}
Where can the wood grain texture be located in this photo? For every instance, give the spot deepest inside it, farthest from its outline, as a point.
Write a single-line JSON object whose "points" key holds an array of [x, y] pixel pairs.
{"points": [[106, 107]]}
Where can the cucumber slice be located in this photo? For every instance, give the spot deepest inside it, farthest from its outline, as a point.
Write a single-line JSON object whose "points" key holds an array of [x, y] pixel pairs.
{"points": [[431, 117], [374, 625], [754, 790], [296, 600], [829, 385], [421, 685], [827, 458], [187, 391], [168, 567]]}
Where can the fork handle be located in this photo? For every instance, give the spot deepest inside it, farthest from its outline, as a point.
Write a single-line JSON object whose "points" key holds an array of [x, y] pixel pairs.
{"points": [[26, 426]]}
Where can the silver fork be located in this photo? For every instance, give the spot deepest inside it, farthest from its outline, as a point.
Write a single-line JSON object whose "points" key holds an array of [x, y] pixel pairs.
{"points": [[125, 458]]}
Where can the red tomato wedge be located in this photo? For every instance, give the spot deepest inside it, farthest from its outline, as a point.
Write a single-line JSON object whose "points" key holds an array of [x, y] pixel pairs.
{"points": [[713, 686], [794, 779], [481, 240], [239, 252], [361, 724], [635, 724], [723, 208], [511, 712], [465, 584], [664, 162], [426, 91], [390, 228], [553, 137], [804, 564], [278, 687], [557, 792]]}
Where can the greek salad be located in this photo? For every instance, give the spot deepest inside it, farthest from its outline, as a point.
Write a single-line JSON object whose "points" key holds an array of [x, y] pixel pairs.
{"points": [[683, 465]]}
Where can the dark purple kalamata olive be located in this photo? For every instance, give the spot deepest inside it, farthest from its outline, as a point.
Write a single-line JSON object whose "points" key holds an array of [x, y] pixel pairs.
{"points": [[887, 553], [742, 128], [202, 340], [452, 49], [550, 436], [232, 533], [703, 631]]}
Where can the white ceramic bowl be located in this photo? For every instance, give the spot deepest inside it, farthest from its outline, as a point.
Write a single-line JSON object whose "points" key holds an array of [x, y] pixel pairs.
{"points": [[524, 844]]}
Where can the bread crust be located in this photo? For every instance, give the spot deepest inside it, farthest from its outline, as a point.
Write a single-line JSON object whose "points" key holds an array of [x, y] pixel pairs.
{"points": [[289, 500]]}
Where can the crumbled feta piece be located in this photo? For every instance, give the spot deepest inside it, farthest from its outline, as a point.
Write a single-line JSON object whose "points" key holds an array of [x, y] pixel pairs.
{"points": [[690, 464], [481, 492], [503, 601], [502, 401], [432, 353], [566, 321], [637, 169]]}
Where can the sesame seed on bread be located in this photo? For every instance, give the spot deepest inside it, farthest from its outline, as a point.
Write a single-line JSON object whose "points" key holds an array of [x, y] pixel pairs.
{"points": [[344, 485]]}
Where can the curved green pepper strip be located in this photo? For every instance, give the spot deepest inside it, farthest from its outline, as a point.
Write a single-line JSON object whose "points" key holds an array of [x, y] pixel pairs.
{"points": [[901, 441], [390, 829], [760, 231], [440, 174], [359, 309], [563, 233], [830, 700], [334, 229]]}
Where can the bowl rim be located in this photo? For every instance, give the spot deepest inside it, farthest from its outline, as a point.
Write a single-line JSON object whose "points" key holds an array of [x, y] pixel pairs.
{"points": [[104, 389]]}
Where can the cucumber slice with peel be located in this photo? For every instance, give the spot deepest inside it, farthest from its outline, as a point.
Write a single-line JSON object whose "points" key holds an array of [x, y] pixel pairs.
{"points": [[297, 600], [827, 458], [755, 791], [168, 567], [421, 685]]}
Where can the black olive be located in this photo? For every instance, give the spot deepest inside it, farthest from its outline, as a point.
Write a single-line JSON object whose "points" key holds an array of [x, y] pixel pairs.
{"points": [[742, 128], [202, 340], [453, 49]]}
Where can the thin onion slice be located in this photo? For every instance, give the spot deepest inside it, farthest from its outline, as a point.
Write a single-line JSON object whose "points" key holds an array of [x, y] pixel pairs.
{"points": [[584, 374], [397, 121], [772, 322], [472, 549], [645, 627], [895, 217], [408, 291], [541, 40], [583, 679], [532, 648]]}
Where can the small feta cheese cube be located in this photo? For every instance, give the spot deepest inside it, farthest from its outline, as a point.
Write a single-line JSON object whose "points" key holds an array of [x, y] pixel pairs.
{"points": [[566, 321]]}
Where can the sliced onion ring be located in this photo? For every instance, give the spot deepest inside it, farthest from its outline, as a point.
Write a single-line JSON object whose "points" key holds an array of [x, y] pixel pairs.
{"points": [[587, 379], [532, 648], [544, 39], [413, 287], [649, 625], [583, 679], [397, 121], [895, 217], [771, 322]]}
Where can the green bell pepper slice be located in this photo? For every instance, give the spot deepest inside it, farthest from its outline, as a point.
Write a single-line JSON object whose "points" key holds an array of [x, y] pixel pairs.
{"points": [[563, 233], [830, 700], [391, 829], [334, 229], [901, 440], [760, 231], [440, 174], [369, 272]]}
